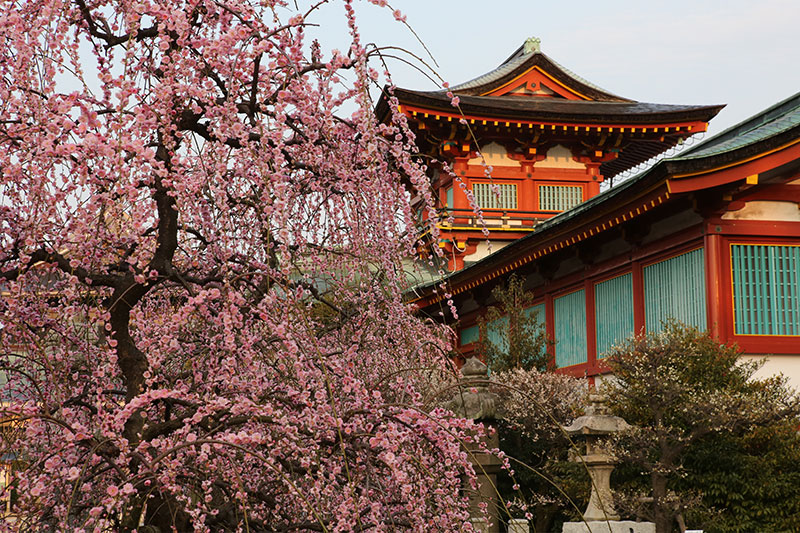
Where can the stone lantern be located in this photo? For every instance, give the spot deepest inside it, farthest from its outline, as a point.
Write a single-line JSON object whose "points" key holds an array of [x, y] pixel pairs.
{"points": [[474, 401], [593, 429]]}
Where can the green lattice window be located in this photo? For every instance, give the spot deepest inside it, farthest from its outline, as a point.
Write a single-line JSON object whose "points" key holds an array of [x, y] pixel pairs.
{"points": [[766, 289], [537, 309], [676, 288], [613, 311], [569, 314], [496, 333], [469, 335]]}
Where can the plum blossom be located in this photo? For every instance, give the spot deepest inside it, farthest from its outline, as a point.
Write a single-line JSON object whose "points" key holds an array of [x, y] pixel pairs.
{"points": [[202, 236]]}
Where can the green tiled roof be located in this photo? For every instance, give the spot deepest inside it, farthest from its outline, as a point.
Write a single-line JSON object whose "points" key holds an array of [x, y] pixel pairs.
{"points": [[509, 65], [517, 59], [781, 117], [576, 77]]}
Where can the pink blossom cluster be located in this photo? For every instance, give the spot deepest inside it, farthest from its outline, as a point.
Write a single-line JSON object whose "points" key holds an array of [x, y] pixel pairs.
{"points": [[202, 321]]}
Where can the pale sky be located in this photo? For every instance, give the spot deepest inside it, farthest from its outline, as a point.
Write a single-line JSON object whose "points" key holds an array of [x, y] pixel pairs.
{"points": [[742, 53]]}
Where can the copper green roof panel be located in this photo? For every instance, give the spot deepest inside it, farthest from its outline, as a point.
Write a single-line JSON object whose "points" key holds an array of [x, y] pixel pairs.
{"points": [[493, 75], [524, 58], [779, 118]]}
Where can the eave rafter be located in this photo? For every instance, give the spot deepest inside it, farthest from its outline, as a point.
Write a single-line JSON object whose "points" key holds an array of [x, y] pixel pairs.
{"points": [[633, 142], [431, 117]]}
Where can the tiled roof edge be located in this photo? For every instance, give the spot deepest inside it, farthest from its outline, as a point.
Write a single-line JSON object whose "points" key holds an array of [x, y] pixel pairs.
{"points": [[759, 119]]}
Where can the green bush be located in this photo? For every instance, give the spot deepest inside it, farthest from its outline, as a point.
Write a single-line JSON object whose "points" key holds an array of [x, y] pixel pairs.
{"points": [[717, 446]]}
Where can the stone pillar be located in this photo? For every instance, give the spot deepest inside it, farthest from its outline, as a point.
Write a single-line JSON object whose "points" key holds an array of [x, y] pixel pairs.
{"points": [[486, 466], [518, 525], [480, 525], [601, 502], [474, 401]]}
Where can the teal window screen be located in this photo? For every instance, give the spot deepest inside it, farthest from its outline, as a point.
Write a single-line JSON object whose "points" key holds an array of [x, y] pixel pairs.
{"points": [[497, 333], [766, 289], [450, 197], [676, 288], [497, 330], [613, 312], [537, 309], [468, 335], [569, 314]]}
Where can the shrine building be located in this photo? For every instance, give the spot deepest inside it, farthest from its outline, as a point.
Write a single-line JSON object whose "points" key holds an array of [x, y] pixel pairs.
{"points": [[710, 237]]}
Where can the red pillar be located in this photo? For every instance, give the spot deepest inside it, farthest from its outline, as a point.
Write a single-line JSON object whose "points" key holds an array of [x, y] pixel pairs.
{"points": [[714, 301], [591, 332], [638, 297]]}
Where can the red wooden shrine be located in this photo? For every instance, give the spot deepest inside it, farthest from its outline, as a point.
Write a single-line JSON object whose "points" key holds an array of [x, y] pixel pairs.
{"points": [[710, 237], [527, 141]]}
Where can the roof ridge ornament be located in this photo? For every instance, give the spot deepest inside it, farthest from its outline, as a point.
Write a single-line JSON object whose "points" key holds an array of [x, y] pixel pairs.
{"points": [[532, 45]]}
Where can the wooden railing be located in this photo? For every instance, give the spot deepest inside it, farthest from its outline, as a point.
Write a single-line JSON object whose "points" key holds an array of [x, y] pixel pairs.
{"points": [[492, 218]]}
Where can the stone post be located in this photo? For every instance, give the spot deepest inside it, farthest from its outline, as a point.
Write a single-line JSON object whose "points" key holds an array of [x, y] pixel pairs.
{"points": [[474, 401], [518, 525]]}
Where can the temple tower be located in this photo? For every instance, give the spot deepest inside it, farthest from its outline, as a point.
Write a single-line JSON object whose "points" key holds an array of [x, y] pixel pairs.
{"points": [[528, 141]]}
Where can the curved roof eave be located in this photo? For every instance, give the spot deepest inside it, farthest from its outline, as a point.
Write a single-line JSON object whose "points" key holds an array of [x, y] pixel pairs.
{"points": [[531, 108]]}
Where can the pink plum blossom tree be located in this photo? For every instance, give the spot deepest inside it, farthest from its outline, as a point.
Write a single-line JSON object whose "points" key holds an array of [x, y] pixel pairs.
{"points": [[202, 324]]}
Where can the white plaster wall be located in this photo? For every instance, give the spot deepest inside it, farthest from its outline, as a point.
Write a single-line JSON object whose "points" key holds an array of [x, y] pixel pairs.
{"points": [[495, 155], [601, 379], [500, 222], [788, 365], [483, 250], [559, 157], [766, 210]]}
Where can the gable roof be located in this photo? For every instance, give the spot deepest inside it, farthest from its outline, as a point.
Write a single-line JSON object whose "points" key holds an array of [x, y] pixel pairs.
{"points": [[531, 89], [524, 59]]}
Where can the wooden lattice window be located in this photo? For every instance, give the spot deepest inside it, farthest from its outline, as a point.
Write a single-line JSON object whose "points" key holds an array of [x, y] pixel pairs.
{"points": [[487, 198], [613, 308], [569, 313], [559, 197], [675, 288], [766, 289]]}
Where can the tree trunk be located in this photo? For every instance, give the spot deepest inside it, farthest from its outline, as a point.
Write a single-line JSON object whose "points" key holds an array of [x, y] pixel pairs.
{"points": [[662, 513], [544, 518]]}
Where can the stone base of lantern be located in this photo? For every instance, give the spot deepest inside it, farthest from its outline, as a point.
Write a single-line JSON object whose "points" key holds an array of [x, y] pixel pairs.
{"points": [[518, 525], [611, 526]]}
